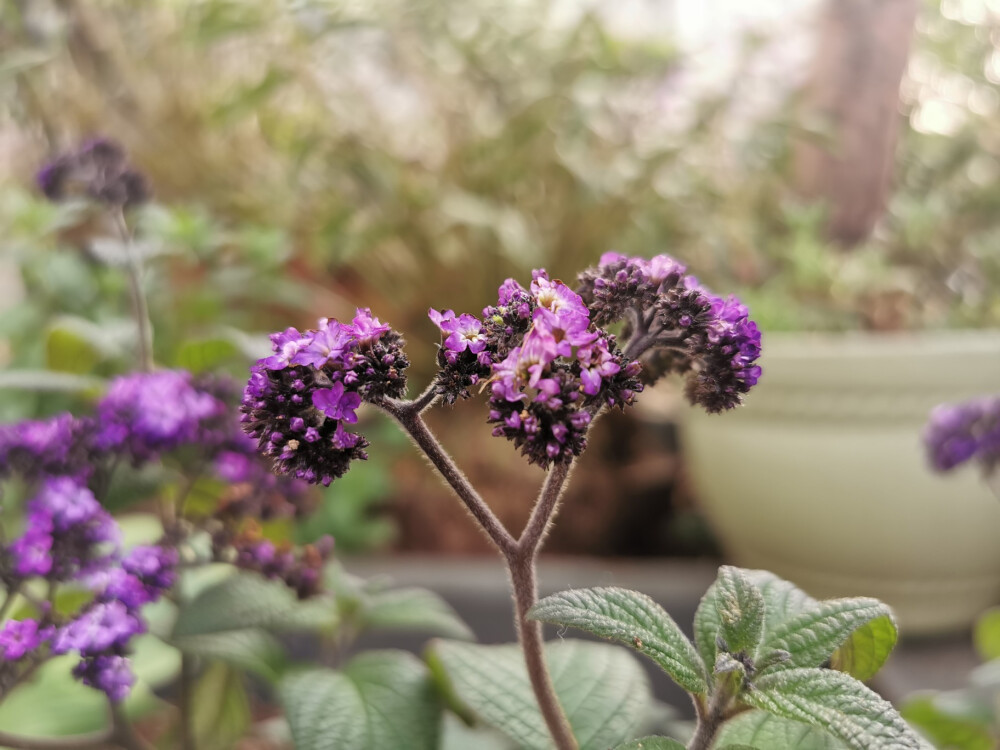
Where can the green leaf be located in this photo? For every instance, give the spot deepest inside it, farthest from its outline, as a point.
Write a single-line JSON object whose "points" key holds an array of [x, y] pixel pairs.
{"points": [[252, 650], [457, 735], [946, 727], [812, 636], [46, 381], [630, 618], [220, 707], [67, 352], [380, 699], [652, 743], [986, 635], [603, 689], [740, 605], [246, 600], [206, 354], [865, 651], [76, 345], [139, 528], [413, 609], [836, 703], [768, 732], [861, 655], [53, 703], [239, 602]]}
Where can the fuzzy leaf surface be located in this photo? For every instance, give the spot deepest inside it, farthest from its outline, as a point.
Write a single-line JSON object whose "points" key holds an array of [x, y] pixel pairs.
{"points": [[769, 732], [861, 655], [652, 743], [244, 601], [252, 650], [865, 651], [413, 609], [380, 699], [815, 634], [740, 605], [630, 618], [836, 703], [602, 688]]}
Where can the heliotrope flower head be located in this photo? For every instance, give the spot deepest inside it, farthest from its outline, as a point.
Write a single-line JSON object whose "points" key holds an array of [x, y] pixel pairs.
{"points": [[145, 414], [303, 442], [725, 351], [59, 445], [98, 170], [959, 433], [19, 638], [298, 401], [67, 535], [301, 570], [109, 673], [681, 326]]}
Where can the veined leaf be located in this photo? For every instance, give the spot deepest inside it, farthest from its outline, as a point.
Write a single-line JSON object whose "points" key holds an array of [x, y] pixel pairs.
{"points": [[413, 609], [769, 732], [246, 600], [836, 703], [381, 699], [861, 655], [812, 636], [253, 650], [630, 618], [602, 688], [652, 743], [740, 605]]}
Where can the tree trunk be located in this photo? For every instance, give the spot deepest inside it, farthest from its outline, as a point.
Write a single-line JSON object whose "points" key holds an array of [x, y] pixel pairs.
{"points": [[854, 91]]}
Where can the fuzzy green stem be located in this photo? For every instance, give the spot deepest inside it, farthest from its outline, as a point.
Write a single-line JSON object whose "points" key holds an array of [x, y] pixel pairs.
{"points": [[710, 718], [140, 307]]}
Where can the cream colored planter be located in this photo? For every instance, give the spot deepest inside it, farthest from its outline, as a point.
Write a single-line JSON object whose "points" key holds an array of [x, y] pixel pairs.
{"points": [[821, 476]]}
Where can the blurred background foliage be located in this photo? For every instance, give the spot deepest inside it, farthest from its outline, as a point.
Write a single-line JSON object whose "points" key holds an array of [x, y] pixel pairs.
{"points": [[311, 155]]}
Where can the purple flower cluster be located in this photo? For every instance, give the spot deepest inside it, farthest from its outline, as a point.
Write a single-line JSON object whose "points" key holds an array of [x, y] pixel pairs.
{"points": [[679, 325], [18, 638], [146, 414], [98, 170], [254, 490], [69, 538], [549, 366], [67, 535], [101, 632], [957, 433], [298, 401], [59, 446], [299, 570]]}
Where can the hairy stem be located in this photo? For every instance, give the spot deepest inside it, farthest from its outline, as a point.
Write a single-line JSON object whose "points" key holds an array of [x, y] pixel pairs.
{"points": [[426, 399], [409, 418], [524, 581], [522, 564], [710, 718], [186, 728], [520, 555], [140, 308], [122, 732]]}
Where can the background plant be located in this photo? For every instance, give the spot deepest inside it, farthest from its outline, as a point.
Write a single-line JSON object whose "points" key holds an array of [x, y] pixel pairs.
{"points": [[481, 149]]}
